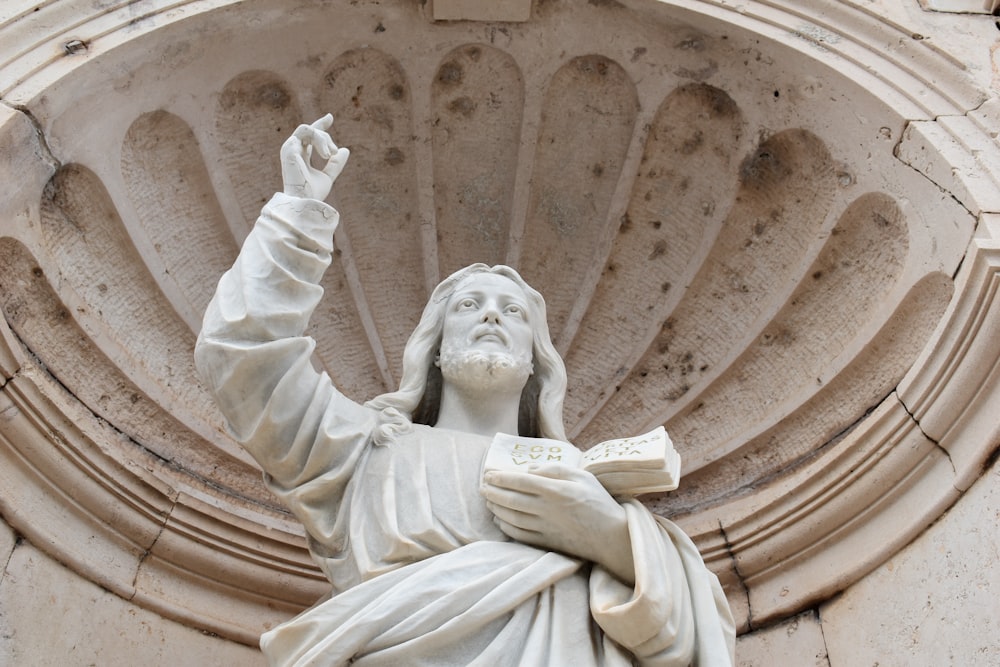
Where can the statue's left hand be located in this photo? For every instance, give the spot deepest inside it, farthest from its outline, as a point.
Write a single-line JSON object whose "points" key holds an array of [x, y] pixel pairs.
{"points": [[563, 509], [301, 178]]}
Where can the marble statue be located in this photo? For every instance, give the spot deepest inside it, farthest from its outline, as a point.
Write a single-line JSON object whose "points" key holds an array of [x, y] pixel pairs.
{"points": [[430, 562]]}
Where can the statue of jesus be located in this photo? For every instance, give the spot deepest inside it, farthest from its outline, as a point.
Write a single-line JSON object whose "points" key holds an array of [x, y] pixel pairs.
{"points": [[430, 561]]}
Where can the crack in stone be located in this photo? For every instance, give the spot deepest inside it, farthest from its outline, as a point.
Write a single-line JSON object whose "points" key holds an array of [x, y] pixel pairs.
{"points": [[173, 500], [842, 433], [754, 485], [916, 422], [149, 550], [19, 539], [958, 267], [739, 575], [46, 152], [822, 633], [945, 191], [37, 362]]}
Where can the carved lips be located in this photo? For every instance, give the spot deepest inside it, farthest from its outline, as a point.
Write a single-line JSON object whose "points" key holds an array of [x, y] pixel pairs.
{"points": [[491, 332]]}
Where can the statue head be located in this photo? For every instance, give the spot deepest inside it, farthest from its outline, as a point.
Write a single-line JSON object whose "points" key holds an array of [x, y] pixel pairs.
{"points": [[418, 397]]}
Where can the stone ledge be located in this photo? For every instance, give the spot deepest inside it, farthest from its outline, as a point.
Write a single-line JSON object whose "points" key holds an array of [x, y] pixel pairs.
{"points": [[481, 10]]}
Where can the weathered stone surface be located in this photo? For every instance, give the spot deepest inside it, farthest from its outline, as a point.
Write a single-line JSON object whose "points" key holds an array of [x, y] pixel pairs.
{"points": [[51, 616], [937, 602], [775, 389], [797, 641]]}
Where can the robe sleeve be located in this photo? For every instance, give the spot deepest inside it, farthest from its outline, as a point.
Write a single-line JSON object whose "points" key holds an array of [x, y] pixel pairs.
{"points": [[676, 614], [254, 359]]}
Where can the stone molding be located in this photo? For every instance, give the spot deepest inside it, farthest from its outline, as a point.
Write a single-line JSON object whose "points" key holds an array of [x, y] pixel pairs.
{"points": [[214, 555]]}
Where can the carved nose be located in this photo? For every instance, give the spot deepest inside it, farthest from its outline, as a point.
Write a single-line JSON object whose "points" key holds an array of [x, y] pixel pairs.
{"points": [[491, 315]]}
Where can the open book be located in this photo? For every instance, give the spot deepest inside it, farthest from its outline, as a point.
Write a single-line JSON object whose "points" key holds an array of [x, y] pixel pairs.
{"points": [[625, 466]]}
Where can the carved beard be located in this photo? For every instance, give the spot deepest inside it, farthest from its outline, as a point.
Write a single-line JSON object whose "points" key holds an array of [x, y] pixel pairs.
{"points": [[473, 369]]}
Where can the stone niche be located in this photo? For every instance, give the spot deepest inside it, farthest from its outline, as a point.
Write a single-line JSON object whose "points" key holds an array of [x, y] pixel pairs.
{"points": [[774, 231]]}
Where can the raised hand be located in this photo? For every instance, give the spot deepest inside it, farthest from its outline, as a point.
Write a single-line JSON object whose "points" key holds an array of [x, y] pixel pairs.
{"points": [[301, 178], [563, 509]]}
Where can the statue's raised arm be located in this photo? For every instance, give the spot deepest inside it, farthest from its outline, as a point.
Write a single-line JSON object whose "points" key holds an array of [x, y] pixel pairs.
{"points": [[252, 353], [430, 561]]}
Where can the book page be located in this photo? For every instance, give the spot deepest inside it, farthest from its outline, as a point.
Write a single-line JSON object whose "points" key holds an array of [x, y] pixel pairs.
{"points": [[625, 466], [511, 452], [642, 451]]}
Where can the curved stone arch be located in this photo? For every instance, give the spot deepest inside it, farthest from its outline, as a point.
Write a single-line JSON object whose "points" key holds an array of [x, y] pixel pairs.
{"points": [[474, 205], [175, 542], [588, 115]]}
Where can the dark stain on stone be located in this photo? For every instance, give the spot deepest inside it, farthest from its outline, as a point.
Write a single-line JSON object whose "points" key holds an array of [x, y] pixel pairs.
{"points": [[593, 65], [396, 91], [693, 43], [692, 143], [271, 95], [702, 74], [664, 338], [462, 105], [677, 393], [659, 249], [774, 161], [597, 170], [451, 73], [394, 156], [782, 337], [717, 101]]}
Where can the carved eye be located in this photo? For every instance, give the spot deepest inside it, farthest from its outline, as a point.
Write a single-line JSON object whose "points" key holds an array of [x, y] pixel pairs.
{"points": [[514, 311], [467, 304]]}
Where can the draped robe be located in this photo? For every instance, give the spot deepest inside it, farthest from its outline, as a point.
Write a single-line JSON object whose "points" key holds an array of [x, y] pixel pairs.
{"points": [[420, 574]]}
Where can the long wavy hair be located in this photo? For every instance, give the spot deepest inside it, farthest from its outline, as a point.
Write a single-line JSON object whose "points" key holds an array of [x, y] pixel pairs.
{"points": [[418, 398]]}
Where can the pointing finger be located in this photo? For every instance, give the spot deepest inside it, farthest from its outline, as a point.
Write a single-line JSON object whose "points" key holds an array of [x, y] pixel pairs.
{"points": [[323, 124]]}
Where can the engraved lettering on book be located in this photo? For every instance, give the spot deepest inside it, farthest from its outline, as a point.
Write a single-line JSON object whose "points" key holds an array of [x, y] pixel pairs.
{"points": [[631, 466]]}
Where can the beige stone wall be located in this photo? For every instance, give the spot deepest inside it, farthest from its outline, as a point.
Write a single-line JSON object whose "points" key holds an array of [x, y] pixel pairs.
{"points": [[834, 434], [49, 615], [935, 603]]}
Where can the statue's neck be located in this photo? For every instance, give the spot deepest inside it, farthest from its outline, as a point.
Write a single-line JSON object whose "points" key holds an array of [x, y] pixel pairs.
{"points": [[485, 411]]}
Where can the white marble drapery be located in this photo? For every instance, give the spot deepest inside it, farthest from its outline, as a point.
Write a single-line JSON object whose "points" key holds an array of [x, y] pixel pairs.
{"points": [[420, 573]]}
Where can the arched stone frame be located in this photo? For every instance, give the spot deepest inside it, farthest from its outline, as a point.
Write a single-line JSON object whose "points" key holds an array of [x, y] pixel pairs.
{"points": [[93, 490]]}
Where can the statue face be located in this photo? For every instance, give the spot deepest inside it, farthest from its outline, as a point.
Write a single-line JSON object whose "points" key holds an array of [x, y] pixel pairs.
{"points": [[488, 314]]}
